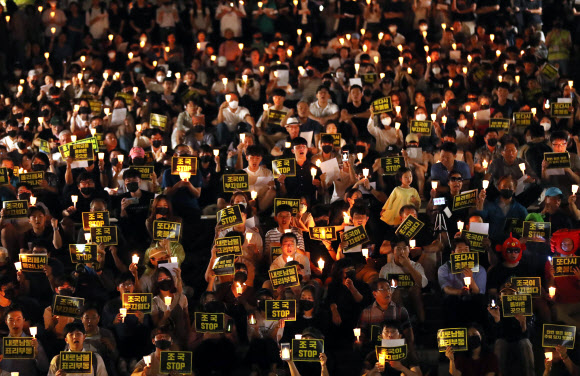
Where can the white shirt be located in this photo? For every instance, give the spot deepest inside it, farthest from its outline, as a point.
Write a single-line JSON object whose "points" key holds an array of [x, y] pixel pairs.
{"points": [[318, 111], [257, 184], [9, 143], [230, 20], [232, 118], [97, 29], [279, 262]]}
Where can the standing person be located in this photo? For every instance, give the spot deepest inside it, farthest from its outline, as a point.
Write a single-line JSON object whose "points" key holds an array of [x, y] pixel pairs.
{"points": [[97, 19], [303, 184], [401, 196]]}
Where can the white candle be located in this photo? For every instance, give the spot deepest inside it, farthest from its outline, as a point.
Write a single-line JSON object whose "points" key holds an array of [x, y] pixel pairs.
{"points": [[138, 127], [254, 195], [313, 172], [468, 108], [164, 149], [123, 312], [471, 133], [467, 281], [552, 291], [359, 156], [249, 236], [412, 243], [398, 109], [185, 175], [534, 111], [216, 152], [574, 188], [356, 332], [242, 137], [147, 360], [121, 158], [32, 200], [298, 336], [101, 156], [290, 258], [321, 264], [484, 164], [239, 288], [174, 260], [366, 172], [287, 145], [87, 237], [365, 252], [135, 259], [287, 231], [73, 138], [74, 199], [252, 320], [167, 301], [434, 184], [548, 356], [33, 331], [459, 225], [346, 217], [523, 168], [485, 184], [285, 353], [18, 265], [382, 358], [397, 125], [492, 303]]}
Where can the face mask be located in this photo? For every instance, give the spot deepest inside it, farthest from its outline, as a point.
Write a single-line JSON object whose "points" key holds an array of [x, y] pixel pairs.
{"points": [[9, 294], [473, 342], [302, 208], [156, 143], [546, 126], [326, 149], [133, 186], [305, 305], [340, 75], [436, 70], [66, 292], [111, 55], [138, 70], [393, 29], [12, 133], [205, 159], [214, 307], [84, 110], [506, 193], [24, 196], [423, 27], [87, 191], [462, 123], [45, 112], [138, 161], [351, 274], [114, 161], [21, 145], [233, 105], [492, 142], [421, 117], [199, 128], [38, 167], [165, 285], [240, 277], [162, 210], [163, 344], [160, 79], [262, 305], [386, 121]]}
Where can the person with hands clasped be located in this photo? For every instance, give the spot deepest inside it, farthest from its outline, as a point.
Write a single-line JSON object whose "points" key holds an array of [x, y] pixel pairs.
{"points": [[161, 338], [560, 362]]}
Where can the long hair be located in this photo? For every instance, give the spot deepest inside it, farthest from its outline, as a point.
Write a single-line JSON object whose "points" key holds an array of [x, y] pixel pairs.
{"points": [[155, 276], [156, 202]]}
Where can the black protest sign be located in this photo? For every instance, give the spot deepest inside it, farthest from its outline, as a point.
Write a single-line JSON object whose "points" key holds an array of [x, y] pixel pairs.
{"points": [[286, 167], [95, 219], [179, 362], [514, 226], [523, 119], [307, 350], [323, 233], [79, 150], [355, 236], [391, 165], [137, 302], [18, 348], [68, 306], [158, 121], [464, 200], [336, 137], [166, 230], [76, 362], [422, 127], [294, 203], [15, 209], [536, 231], [145, 172], [33, 262], [368, 78], [281, 309], [382, 105], [402, 280], [475, 240], [561, 110], [230, 217], [528, 285], [4, 176], [554, 335], [224, 265], [454, 337], [564, 266], [209, 322], [236, 182], [183, 165], [286, 277], [275, 117], [83, 253], [557, 160], [499, 124], [512, 305], [276, 251], [32, 178], [106, 235], [390, 354], [410, 227], [230, 245], [465, 260]]}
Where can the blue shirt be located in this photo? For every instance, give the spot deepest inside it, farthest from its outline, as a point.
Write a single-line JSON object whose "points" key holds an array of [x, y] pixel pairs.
{"points": [[447, 279], [493, 214], [439, 171], [182, 199]]}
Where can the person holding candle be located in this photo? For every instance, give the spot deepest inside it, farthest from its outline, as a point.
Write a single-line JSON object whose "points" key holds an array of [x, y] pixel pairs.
{"points": [[559, 363], [232, 118], [163, 340], [462, 302], [272, 122], [280, 149], [290, 249], [561, 178], [382, 127], [487, 152], [86, 191], [132, 213], [260, 177], [310, 314], [100, 339], [479, 360], [40, 231], [161, 210]]}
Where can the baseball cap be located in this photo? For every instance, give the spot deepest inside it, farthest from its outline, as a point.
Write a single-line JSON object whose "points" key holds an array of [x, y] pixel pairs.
{"points": [[137, 152], [411, 137], [553, 191], [292, 121]]}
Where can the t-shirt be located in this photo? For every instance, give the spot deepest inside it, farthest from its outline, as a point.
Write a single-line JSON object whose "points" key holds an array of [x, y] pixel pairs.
{"points": [[487, 363]]}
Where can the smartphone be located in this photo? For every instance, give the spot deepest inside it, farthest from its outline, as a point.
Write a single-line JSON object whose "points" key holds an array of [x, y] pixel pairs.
{"points": [[345, 157], [492, 304], [133, 200]]}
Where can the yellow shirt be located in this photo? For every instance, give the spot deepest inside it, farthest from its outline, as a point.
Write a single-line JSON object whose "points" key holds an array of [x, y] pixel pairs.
{"points": [[398, 198]]}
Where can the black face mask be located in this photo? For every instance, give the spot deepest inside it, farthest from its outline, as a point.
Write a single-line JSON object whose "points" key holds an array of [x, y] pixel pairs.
{"points": [[133, 186], [156, 143], [492, 142], [45, 113], [163, 344], [240, 277], [473, 342], [84, 110], [214, 307], [262, 305], [9, 294], [18, 115], [198, 128], [305, 305], [326, 148], [360, 149], [506, 193], [21, 145], [99, 129], [138, 161], [351, 274], [205, 158], [24, 196], [162, 210], [12, 133], [165, 285], [38, 167], [367, 93], [66, 292], [87, 191], [114, 161]]}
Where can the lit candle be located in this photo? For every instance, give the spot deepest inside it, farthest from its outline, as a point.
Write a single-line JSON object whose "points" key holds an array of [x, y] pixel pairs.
{"points": [[241, 46], [33, 331], [167, 300], [412, 243], [397, 125], [93, 131], [468, 108], [409, 70], [548, 356], [321, 264], [485, 184], [252, 320], [464, 69], [318, 163], [147, 360], [574, 188], [120, 158], [18, 265], [365, 252], [571, 84], [523, 168], [73, 138], [299, 32], [185, 175], [216, 152], [400, 58], [492, 303], [467, 281], [359, 156], [164, 149], [135, 259], [552, 291], [110, 37], [53, 30], [138, 127], [26, 120], [491, 37], [484, 164], [174, 259], [366, 172], [285, 353], [454, 46], [356, 333], [450, 82], [249, 236], [14, 373], [469, 58], [346, 217], [433, 117], [382, 358], [398, 109], [74, 199], [289, 259], [444, 119], [444, 26], [308, 39], [497, 53], [123, 312], [434, 184], [534, 111], [101, 156], [254, 195], [287, 231], [287, 145], [459, 225], [87, 237], [242, 137], [32, 200], [322, 233], [298, 336], [428, 59]]}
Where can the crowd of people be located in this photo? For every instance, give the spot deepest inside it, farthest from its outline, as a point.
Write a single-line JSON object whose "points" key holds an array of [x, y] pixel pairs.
{"points": [[326, 117]]}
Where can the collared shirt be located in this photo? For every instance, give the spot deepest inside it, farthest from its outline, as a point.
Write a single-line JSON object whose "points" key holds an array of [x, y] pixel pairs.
{"points": [[101, 369], [301, 184], [493, 214], [279, 262], [274, 235], [375, 315], [318, 111], [36, 366], [439, 171], [259, 179], [448, 279]]}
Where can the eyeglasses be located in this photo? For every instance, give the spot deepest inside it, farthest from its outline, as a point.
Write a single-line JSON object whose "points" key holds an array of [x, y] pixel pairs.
{"points": [[455, 179]]}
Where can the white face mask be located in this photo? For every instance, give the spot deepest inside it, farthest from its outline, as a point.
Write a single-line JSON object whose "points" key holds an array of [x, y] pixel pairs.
{"points": [[233, 105], [302, 208], [462, 123], [160, 79], [423, 27], [111, 55], [436, 70], [546, 126], [340, 75], [421, 117], [386, 121], [392, 29]]}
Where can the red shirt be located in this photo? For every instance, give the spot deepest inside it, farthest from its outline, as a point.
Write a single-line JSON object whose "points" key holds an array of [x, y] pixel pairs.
{"points": [[567, 290]]}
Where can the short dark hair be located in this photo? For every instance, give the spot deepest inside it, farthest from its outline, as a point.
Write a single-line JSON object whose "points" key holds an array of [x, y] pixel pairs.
{"points": [[459, 240], [73, 327], [327, 139], [34, 209], [402, 171], [289, 235], [449, 147], [407, 207], [558, 135], [254, 151], [283, 208], [131, 173], [84, 176], [299, 141]]}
